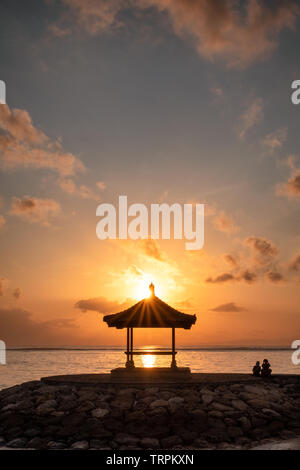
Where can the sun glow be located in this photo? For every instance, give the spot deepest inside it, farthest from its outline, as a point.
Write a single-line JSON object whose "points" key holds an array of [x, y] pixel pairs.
{"points": [[142, 290], [148, 360]]}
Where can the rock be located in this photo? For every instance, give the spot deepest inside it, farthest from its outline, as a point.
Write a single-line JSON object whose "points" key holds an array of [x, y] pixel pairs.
{"points": [[10, 407], [269, 412], [80, 445], [207, 398], [126, 439], [96, 444], [199, 418], [47, 407], [186, 435], [220, 406], [149, 443], [258, 403], [18, 443], [234, 431], [56, 445], [228, 446], [245, 423], [58, 414], [216, 423], [217, 436], [32, 432], [256, 389], [37, 443], [257, 421], [175, 401], [258, 433], [215, 414], [122, 403], [200, 443], [100, 412], [67, 404], [275, 426], [170, 441], [158, 403], [151, 390], [239, 405]]}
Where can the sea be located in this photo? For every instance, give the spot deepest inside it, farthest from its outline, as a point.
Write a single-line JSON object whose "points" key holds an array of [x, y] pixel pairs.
{"points": [[28, 364]]}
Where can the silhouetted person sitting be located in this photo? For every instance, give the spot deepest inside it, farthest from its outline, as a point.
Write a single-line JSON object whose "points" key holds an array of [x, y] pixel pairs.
{"points": [[266, 371], [256, 369]]}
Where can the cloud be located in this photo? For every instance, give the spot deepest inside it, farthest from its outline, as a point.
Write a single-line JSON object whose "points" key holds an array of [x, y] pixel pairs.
{"points": [[275, 277], [34, 210], [231, 260], [225, 223], [275, 139], [3, 283], [238, 33], [248, 276], [290, 189], [185, 304], [2, 221], [264, 250], [101, 305], [133, 270], [101, 185], [221, 278], [252, 116], [230, 307], [17, 293], [24, 146], [18, 328], [217, 93], [295, 264], [152, 249], [67, 185], [83, 191], [94, 16]]}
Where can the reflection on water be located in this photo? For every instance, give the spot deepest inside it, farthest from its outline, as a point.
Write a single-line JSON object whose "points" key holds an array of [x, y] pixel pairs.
{"points": [[148, 360], [23, 366]]}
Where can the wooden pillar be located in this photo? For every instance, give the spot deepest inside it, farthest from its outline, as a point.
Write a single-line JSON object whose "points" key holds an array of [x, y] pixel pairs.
{"points": [[131, 347], [173, 363], [127, 355]]}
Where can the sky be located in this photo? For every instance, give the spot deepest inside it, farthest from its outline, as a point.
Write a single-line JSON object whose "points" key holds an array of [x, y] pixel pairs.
{"points": [[182, 101]]}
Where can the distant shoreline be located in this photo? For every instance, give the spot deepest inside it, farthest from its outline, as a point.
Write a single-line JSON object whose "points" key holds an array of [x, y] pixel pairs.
{"points": [[120, 348]]}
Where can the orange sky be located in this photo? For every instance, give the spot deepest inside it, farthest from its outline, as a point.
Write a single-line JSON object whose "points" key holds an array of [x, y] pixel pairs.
{"points": [[174, 102]]}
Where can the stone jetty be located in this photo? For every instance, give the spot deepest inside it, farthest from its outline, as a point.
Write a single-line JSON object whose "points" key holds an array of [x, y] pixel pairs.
{"points": [[216, 414]]}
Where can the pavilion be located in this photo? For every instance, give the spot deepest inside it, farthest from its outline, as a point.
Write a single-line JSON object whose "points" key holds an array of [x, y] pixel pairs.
{"points": [[150, 312]]}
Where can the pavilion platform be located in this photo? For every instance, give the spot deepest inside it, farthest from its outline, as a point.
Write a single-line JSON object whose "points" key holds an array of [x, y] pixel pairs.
{"points": [[148, 379]]}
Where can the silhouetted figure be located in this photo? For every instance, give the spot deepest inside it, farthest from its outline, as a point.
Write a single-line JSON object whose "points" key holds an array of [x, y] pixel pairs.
{"points": [[256, 369], [266, 370]]}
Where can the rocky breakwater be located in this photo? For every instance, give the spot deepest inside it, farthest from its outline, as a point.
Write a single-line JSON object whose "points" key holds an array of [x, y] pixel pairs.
{"points": [[237, 415]]}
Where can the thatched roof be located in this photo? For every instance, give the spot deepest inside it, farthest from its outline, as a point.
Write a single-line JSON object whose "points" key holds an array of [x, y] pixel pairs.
{"points": [[150, 313]]}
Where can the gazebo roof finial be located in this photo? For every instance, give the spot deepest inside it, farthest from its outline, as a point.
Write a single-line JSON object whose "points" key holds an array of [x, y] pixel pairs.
{"points": [[152, 289]]}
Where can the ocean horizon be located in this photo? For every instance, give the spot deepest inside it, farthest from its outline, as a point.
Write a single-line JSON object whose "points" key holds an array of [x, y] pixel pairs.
{"points": [[26, 364]]}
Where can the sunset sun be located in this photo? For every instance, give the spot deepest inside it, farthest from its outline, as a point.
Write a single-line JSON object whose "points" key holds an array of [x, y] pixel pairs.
{"points": [[142, 290]]}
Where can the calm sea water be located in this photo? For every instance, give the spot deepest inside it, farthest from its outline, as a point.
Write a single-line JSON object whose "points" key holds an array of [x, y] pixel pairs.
{"points": [[28, 365]]}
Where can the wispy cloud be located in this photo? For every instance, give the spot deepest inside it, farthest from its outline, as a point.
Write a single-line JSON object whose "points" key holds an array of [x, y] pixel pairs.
{"points": [[225, 223], [101, 305], [22, 145], [238, 34], [34, 210], [17, 293], [229, 307], [275, 139], [152, 249], [252, 116]]}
